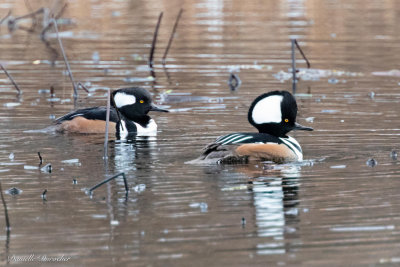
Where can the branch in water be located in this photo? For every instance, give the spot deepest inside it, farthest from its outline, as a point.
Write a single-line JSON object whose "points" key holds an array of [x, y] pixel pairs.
{"points": [[301, 52], [153, 44], [109, 179], [11, 79], [172, 35], [8, 227], [54, 22]]}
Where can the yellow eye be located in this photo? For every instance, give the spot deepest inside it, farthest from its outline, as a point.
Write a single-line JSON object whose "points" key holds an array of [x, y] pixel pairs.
{"points": [[286, 120], [141, 101]]}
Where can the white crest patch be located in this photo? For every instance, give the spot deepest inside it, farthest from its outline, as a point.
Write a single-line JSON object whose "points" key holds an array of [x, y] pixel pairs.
{"points": [[268, 110], [122, 99]]}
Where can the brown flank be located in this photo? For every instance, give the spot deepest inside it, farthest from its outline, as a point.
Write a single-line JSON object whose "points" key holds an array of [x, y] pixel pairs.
{"points": [[274, 152], [82, 125]]}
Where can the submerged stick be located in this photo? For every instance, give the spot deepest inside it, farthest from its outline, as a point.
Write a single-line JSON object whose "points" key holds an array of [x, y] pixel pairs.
{"points": [[28, 5], [5, 17], [294, 79], [32, 14], [65, 58], [116, 109], [52, 91], [53, 50], [8, 227], [12, 22], [44, 196], [301, 52], [34, 19], [153, 44], [234, 81], [83, 87], [44, 31], [49, 24], [11, 79], [40, 159], [172, 36], [105, 156], [109, 179], [61, 11]]}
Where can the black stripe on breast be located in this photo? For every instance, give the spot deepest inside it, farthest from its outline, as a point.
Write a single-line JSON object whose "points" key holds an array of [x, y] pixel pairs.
{"points": [[294, 144]]}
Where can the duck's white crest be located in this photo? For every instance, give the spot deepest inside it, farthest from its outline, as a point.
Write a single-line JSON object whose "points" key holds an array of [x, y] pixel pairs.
{"points": [[268, 110], [122, 99]]}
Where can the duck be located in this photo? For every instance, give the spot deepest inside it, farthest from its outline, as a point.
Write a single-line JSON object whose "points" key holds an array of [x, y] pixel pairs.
{"points": [[128, 116], [273, 114]]}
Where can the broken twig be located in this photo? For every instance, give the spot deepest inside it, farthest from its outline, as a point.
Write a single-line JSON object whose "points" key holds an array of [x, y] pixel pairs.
{"points": [[50, 23], [34, 20], [11, 79], [40, 158], [119, 124], [5, 17], [109, 179], [28, 5], [12, 23], [8, 227], [32, 14], [301, 52], [44, 196], [61, 11], [105, 156], [65, 58], [153, 44], [172, 36], [83, 87], [294, 79], [294, 70], [234, 82]]}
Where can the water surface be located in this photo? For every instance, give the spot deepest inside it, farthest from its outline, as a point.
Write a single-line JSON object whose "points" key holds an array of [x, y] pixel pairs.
{"points": [[332, 209]]}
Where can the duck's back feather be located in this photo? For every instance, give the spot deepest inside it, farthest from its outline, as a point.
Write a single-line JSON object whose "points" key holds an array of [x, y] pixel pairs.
{"points": [[88, 120], [95, 113]]}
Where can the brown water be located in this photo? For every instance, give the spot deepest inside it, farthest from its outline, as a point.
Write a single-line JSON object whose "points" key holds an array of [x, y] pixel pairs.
{"points": [[331, 210]]}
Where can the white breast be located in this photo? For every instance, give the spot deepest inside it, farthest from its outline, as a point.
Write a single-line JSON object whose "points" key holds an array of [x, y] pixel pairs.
{"points": [[123, 131], [149, 130]]}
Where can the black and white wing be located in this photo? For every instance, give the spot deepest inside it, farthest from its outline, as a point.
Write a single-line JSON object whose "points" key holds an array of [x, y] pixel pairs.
{"points": [[247, 138]]}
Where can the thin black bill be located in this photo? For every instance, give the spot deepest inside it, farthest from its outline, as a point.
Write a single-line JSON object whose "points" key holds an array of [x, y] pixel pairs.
{"points": [[154, 108], [298, 126]]}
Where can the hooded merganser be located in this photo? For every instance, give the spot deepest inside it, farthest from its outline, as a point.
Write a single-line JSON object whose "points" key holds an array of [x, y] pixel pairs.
{"points": [[274, 115], [128, 115]]}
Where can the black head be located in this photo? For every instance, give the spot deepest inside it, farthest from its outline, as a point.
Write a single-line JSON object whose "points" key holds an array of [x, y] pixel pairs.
{"points": [[134, 103], [275, 113]]}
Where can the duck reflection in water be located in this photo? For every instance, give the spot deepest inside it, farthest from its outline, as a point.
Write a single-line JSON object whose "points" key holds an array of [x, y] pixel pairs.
{"points": [[274, 197]]}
